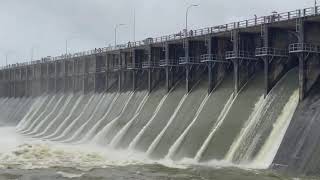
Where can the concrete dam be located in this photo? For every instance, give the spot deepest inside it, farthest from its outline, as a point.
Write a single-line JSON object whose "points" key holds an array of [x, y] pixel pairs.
{"points": [[246, 93]]}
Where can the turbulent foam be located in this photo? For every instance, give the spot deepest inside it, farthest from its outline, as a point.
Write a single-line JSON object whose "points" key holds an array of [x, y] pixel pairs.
{"points": [[272, 144]]}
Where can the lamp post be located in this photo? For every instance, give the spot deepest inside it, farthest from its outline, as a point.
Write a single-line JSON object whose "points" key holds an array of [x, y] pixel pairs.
{"points": [[31, 53], [68, 39], [115, 33], [66, 47], [187, 13], [6, 59]]}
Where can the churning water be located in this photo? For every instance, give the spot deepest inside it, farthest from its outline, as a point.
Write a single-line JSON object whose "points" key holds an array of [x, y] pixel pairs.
{"points": [[153, 135]]}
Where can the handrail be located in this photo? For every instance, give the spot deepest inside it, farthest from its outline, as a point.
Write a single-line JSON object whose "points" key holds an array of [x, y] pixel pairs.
{"points": [[169, 62], [189, 60], [240, 54], [304, 47], [133, 65], [273, 18], [148, 64], [269, 51]]}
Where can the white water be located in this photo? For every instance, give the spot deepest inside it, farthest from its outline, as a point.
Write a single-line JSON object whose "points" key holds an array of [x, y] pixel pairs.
{"points": [[31, 119], [134, 142], [29, 131], [252, 120], [219, 122], [33, 110], [74, 121], [57, 154], [56, 118], [177, 143], [156, 141], [124, 130], [99, 138], [271, 146], [91, 134], [37, 129], [88, 121]]}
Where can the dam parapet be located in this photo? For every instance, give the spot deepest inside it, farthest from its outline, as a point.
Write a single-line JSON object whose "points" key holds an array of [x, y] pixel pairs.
{"points": [[274, 42]]}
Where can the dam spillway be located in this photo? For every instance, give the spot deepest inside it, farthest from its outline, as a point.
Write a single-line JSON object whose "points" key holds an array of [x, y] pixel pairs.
{"points": [[224, 93]]}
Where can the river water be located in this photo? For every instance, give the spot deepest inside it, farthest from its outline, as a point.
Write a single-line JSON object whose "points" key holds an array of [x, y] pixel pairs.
{"points": [[24, 158]]}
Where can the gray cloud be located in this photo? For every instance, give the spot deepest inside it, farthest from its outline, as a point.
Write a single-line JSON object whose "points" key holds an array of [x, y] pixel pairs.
{"points": [[46, 24]]}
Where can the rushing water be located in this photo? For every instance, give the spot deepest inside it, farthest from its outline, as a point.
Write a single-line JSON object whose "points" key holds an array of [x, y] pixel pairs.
{"points": [[138, 135]]}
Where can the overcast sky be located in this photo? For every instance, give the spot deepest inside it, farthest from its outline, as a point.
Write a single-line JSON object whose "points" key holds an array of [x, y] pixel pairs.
{"points": [[44, 25]]}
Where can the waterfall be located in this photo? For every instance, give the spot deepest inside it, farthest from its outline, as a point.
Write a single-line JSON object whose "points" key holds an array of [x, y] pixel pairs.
{"points": [[219, 122], [30, 113], [27, 120], [253, 119], [272, 144], [134, 142], [74, 121], [38, 118], [53, 121], [156, 141], [123, 130], [46, 119], [77, 133], [91, 134], [178, 142], [99, 138]]}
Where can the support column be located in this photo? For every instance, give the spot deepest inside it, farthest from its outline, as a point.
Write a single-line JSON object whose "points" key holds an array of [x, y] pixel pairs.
{"points": [[167, 56], [302, 65], [84, 75], [48, 78], [95, 59], [210, 66], [236, 75], [149, 51], [120, 81], [14, 82], [107, 66], [236, 68], [302, 76], [119, 73], [40, 80], [266, 76], [55, 77], [27, 82], [266, 43], [134, 78], [73, 76], [188, 67]]}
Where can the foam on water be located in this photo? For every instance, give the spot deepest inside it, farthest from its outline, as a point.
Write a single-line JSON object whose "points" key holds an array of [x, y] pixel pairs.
{"points": [[254, 117], [272, 144]]}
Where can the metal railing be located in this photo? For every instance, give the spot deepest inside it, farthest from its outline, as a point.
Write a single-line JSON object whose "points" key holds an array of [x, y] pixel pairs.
{"points": [[170, 62], [240, 55], [274, 18], [189, 60], [101, 69], [147, 65], [212, 57], [118, 67], [134, 66], [304, 47], [268, 51]]}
